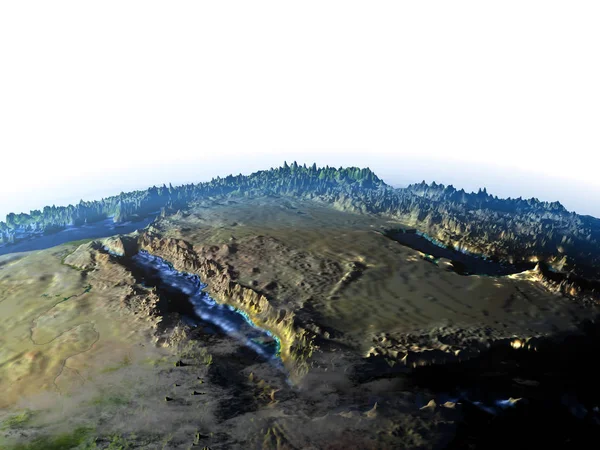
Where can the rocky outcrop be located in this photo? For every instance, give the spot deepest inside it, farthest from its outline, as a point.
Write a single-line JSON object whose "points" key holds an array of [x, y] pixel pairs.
{"points": [[511, 230], [84, 257], [563, 283], [444, 344], [105, 273], [296, 342], [121, 245]]}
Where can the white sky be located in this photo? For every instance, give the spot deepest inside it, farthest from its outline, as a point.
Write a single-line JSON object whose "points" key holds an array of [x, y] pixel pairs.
{"points": [[100, 97]]}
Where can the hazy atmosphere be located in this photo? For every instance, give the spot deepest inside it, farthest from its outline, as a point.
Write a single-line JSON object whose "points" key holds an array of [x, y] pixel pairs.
{"points": [[243, 225], [94, 103]]}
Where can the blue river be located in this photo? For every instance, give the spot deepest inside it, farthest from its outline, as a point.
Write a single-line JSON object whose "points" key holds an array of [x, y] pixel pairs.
{"points": [[185, 294]]}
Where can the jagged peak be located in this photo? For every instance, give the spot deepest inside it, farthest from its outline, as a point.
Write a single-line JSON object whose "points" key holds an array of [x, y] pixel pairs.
{"points": [[439, 190], [363, 177]]}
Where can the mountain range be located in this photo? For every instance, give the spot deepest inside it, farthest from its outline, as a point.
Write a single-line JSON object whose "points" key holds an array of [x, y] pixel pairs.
{"points": [[512, 230]]}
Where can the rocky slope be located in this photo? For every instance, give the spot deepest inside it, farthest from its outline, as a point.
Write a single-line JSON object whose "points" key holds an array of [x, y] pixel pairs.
{"points": [[506, 229], [296, 343]]}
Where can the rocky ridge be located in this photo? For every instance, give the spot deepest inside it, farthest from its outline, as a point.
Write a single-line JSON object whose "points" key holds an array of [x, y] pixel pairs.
{"points": [[511, 230], [297, 343]]}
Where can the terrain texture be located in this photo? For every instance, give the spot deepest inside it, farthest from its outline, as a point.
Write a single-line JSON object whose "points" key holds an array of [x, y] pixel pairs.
{"points": [[509, 229], [379, 345]]}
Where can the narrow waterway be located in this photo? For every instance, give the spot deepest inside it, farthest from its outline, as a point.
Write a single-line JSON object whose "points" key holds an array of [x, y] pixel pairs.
{"points": [[185, 294]]}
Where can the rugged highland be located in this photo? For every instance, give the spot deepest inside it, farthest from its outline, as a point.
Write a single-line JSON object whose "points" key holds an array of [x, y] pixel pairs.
{"points": [[379, 345], [505, 229]]}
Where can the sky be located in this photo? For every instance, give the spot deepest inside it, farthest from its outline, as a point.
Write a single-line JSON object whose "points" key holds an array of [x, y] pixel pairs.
{"points": [[102, 97]]}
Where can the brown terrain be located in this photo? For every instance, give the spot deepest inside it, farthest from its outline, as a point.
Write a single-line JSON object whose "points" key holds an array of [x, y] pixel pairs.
{"points": [[346, 282], [89, 353]]}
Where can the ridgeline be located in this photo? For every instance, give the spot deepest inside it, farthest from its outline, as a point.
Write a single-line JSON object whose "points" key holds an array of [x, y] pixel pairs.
{"points": [[510, 230]]}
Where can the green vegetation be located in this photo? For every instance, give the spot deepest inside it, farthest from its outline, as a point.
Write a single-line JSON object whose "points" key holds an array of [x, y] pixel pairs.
{"points": [[166, 441], [126, 361], [86, 289], [17, 421], [118, 442], [207, 358], [79, 242], [162, 361], [110, 400], [196, 353], [80, 438]]}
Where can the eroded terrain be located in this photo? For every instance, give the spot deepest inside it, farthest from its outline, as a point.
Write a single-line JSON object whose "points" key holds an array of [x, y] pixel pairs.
{"points": [[343, 278], [93, 353]]}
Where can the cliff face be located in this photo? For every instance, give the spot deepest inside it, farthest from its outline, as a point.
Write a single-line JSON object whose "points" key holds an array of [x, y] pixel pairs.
{"points": [[508, 229], [511, 230], [566, 284], [296, 342], [105, 274]]}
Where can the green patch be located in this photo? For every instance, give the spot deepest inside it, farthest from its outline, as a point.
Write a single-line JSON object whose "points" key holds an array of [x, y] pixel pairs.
{"points": [[163, 360], [80, 437], [79, 242], [195, 352], [17, 421], [110, 400], [207, 358], [86, 289], [124, 363], [118, 442]]}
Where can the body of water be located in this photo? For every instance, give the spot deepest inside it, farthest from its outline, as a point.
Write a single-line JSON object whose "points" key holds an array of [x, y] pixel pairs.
{"points": [[463, 263], [104, 228], [184, 294]]}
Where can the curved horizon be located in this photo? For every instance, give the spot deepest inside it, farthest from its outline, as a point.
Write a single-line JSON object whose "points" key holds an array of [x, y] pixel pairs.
{"points": [[429, 183], [75, 198], [503, 96]]}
